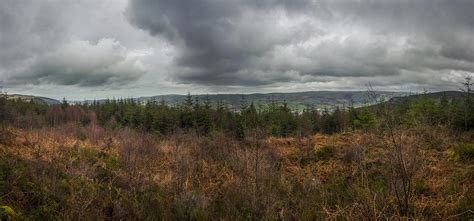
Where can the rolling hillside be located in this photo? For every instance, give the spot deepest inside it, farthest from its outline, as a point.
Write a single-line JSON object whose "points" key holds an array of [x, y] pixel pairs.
{"points": [[36, 99]]}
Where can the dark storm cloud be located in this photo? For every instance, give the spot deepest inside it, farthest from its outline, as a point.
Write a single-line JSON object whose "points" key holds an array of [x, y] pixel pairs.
{"points": [[217, 38], [245, 42]]}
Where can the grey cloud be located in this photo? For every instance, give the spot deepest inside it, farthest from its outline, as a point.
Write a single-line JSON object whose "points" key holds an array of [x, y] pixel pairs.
{"points": [[217, 40], [448, 24], [233, 45], [27, 28], [263, 42], [66, 42], [82, 63]]}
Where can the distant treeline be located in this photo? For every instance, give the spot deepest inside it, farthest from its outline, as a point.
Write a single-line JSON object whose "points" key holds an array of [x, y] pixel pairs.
{"points": [[205, 117]]}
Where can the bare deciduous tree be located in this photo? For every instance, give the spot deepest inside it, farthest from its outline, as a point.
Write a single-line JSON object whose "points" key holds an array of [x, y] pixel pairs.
{"points": [[403, 152]]}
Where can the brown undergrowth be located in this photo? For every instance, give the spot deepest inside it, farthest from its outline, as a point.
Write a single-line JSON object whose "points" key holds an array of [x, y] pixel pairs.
{"points": [[69, 172]]}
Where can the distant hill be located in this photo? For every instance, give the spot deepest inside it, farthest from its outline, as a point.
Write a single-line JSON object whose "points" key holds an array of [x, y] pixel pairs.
{"points": [[296, 100], [450, 95], [36, 99], [437, 96]]}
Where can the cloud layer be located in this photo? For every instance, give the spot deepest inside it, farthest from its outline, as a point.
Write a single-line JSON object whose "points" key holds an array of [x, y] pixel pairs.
{"points": [[84, 64], [248, 43], [93, 48], [52, 42]]}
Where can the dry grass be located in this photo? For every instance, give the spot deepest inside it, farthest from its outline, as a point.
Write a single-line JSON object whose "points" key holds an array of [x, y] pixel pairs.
{"points": [[218, 177]]}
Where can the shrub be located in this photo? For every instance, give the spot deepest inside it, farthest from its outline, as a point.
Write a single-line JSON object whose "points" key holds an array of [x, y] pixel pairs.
{"points": [[464, 152], [420, 187], [6, 213], [325, 152], [322, 154]]}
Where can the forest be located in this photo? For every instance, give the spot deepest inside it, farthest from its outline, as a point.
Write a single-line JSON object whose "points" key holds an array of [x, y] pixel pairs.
{"points": [[200, 160]]}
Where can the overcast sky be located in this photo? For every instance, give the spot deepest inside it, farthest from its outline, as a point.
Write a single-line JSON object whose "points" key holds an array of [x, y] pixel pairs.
{"points": [[85, 49]]}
